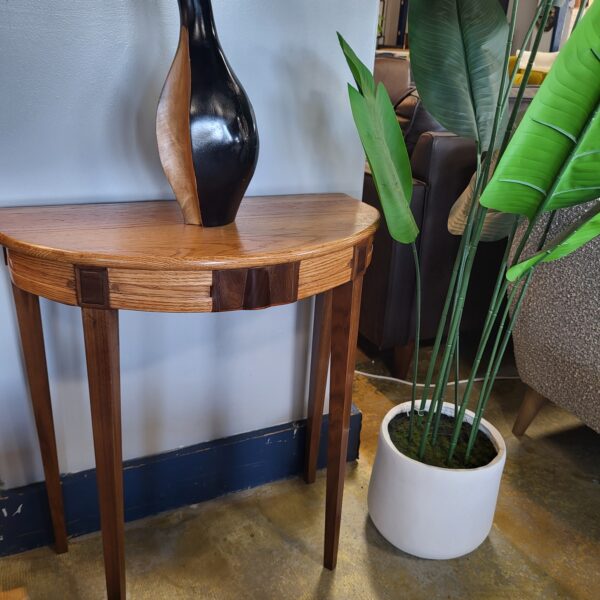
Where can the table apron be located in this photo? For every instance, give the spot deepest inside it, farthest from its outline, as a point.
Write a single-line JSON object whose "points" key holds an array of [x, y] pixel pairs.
{"points": [[190, 290]]}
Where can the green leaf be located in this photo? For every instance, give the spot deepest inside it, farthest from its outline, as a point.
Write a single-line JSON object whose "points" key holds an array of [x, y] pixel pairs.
{"points": [[586, 229], [362, 75], [457, 52], [553, 159], [384, 146], [394, 140]]}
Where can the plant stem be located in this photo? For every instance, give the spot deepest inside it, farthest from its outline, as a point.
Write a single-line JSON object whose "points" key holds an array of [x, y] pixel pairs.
{"points": [[444, 316], [464, 262], [513, 74], [452, 334], [464, 273], [456, 376], [527, 73], [496, 357], [519, 250], [494, 308], [509, 43], [417, 339], [436, 406], [493, 370]]}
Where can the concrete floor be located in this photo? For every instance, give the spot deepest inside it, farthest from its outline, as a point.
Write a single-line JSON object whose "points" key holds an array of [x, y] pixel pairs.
{"points": [[266, 543]]}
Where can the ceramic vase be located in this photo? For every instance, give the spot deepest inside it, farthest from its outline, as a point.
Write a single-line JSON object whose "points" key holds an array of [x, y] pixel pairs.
{"points": [[428, 511], [205, 124]]}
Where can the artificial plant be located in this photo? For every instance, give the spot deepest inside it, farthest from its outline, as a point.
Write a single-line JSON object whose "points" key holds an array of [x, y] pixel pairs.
{"points": [[460, 53]]}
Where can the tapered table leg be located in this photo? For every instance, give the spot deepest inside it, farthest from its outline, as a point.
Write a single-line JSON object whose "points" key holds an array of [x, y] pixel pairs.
{"points": [[32, 341], [345, 316], [319, 365], [101, 332]]}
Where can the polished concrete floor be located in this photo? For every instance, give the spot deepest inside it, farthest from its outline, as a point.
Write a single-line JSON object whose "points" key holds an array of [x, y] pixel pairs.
{"points": [[266, 543]]}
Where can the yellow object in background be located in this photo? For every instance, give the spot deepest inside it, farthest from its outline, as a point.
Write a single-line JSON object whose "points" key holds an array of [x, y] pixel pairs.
{"points": [[535, 77]]}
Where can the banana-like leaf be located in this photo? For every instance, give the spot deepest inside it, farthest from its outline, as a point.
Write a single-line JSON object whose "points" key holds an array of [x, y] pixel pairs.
{"points": [[583, 231], [362, 76], [457, 52], [384, 146], [553, 160]]}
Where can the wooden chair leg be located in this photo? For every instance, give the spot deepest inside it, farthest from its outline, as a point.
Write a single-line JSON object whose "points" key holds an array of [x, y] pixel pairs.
{"points": [[101, 333], [319, 365], [32, 341], [403, 356], [531, 405], [345, 317]]}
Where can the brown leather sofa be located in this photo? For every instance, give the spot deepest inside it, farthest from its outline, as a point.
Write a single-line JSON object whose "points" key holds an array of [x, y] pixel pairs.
{"points": [[442, 165]]}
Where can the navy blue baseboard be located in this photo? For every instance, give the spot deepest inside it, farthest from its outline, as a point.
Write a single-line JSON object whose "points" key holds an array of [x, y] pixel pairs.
{"points": [[166, 481]]}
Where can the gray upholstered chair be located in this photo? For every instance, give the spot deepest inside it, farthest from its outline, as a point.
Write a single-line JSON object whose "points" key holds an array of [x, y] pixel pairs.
{"points": [[557, 335]]}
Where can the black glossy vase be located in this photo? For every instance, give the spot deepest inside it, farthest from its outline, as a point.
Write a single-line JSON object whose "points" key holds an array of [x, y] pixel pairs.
{"points": [[205, 125]]}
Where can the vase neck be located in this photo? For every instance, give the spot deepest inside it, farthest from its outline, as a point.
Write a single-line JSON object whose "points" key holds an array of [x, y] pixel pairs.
{"points": [[197, 17]]}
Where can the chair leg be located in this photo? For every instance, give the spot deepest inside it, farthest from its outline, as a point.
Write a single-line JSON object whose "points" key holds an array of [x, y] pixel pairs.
{"points": [[319, 365], [531, 405]]}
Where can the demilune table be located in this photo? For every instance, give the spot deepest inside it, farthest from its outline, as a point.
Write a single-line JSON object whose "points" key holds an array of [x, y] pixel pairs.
{"points": [[141, 256]]}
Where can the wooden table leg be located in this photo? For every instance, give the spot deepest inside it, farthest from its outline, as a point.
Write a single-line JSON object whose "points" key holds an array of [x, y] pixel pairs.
{"points": [[32, 341], [345, 316], [319, 365], [101, 332]]}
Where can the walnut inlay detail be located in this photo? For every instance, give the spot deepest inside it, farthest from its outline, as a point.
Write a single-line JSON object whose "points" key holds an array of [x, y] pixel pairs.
{"points": [[247, 289]]}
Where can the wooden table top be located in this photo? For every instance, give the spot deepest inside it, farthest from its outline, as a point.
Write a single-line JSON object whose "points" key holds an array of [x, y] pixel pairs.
{"points": [[152, 235]]}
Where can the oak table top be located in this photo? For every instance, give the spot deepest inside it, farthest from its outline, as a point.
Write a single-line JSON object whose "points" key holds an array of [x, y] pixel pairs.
{"points": [[141, 256], [152, 234]]}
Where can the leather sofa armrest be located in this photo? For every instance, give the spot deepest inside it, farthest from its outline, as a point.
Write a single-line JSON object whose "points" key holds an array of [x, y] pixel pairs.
{"points": [[440, 155]]}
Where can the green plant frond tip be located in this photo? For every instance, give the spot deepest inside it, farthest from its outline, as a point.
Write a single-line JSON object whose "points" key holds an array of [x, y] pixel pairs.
{"points": [[384, 146], [361, 74], [579, 234], [386, 153], [520, 269]]}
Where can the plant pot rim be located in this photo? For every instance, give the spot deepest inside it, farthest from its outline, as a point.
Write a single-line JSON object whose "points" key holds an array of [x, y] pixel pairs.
{"points": [[484, 426]]}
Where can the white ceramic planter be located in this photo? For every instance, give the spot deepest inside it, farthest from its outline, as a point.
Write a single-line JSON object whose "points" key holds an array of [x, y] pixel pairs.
{"points": [[428, 511]]}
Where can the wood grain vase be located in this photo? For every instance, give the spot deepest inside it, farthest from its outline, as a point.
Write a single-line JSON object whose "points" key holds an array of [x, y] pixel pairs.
{"points": [[205, 125]]}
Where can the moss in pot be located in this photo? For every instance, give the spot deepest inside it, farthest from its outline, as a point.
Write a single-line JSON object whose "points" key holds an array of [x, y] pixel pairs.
{"points": [[436, 454]]}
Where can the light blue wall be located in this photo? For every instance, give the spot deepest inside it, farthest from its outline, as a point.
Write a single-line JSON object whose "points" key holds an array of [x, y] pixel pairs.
{"points": [[79, 86]]}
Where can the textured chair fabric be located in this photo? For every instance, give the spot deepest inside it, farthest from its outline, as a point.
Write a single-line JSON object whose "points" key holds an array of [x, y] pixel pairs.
{"points": [[557, 335]]}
